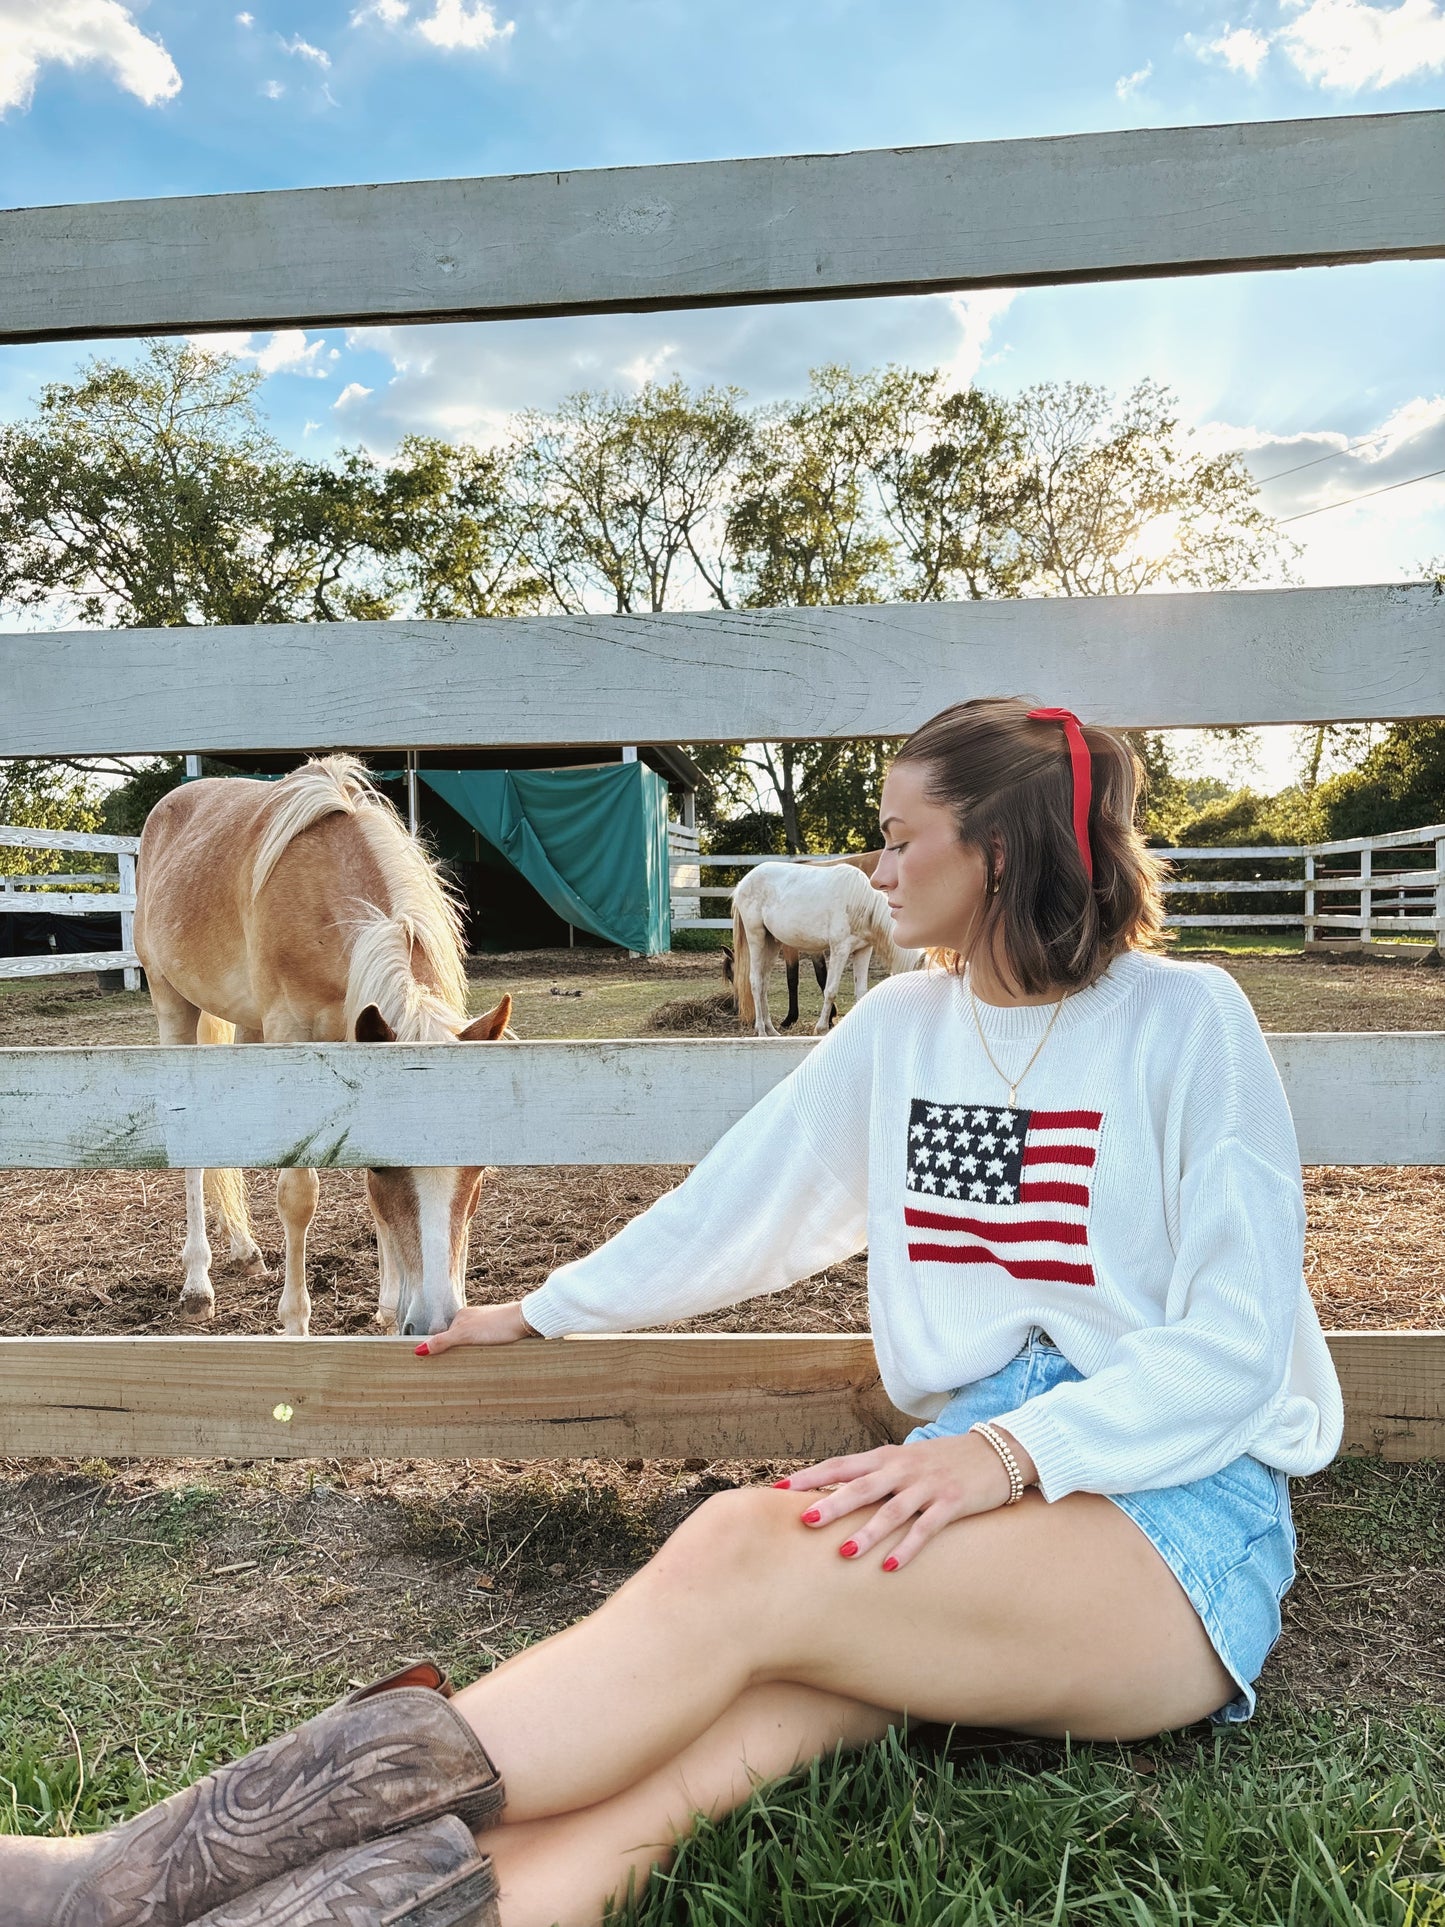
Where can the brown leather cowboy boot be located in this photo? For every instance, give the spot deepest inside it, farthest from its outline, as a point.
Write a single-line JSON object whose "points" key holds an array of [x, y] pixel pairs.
{"points": [[429, 1876], [390, 1756]]}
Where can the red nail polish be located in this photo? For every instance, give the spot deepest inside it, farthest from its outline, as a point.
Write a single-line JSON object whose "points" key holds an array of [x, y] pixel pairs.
{"points": [[423, 1350], [848, 1549], [890, 1564], [811, 1516], [781, 1485]]}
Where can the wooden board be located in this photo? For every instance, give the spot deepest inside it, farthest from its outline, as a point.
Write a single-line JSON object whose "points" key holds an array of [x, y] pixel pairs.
{"points": [[726, 1397], [66, 963], [1394, 1388], [1231, 656], [1088, 207], [630, 1102], [24, 838], [753, 1396], [63, 903]]}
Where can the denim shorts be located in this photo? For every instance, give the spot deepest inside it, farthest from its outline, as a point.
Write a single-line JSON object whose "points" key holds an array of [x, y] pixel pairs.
{"points": [[1229, 1539]]}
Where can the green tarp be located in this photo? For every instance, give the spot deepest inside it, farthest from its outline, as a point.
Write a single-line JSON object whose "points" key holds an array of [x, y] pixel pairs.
{"points": [[591, 842]]}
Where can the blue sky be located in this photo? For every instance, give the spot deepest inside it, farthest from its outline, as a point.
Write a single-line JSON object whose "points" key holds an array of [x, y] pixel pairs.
{"points": [[103, 100]]}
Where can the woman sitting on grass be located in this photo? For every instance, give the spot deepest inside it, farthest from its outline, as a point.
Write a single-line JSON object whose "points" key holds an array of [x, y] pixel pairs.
{"points": [[1075, 1171]]}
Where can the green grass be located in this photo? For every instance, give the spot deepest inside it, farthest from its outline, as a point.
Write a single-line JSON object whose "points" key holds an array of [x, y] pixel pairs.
{"points": [[1301, 1820], [1294, 1820]]}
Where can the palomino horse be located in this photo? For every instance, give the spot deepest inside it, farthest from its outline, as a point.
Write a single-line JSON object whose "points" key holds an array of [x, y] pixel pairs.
{"points": [[867, 862], [828, 908], [300, 912]]}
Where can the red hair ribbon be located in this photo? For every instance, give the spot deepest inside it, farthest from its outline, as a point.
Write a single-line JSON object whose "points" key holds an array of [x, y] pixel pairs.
{"points": [[1083, 777]]}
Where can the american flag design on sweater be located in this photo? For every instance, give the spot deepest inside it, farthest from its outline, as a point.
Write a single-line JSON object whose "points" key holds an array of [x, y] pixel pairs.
{"points": [[990, 1186]]}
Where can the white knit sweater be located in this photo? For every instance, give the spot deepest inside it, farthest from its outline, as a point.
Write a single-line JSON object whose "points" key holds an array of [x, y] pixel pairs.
{"points": [[1142, 1203]]}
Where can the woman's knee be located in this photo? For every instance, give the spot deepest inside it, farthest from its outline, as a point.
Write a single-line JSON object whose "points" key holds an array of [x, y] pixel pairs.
{"points": [[733, 1538]]}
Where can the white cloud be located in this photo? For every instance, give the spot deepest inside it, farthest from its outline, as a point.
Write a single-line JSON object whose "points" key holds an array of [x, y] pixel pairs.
{"points": [[1241, 49], [649, 365], [1128, 84], [1384, 538], [451, 24], [463, 23], [286, 352], [245, 19], [1346, 45], [72, 33], [273, 89], [304, 50], [975, 315], [353, 391]]}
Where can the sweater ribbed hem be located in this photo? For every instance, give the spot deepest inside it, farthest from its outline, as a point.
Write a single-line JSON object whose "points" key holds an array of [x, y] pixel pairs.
{"points": [[543, 1315]]}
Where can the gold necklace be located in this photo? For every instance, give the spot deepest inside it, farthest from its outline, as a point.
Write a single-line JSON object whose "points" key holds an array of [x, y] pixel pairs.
{"points": [[1012, 1082]]}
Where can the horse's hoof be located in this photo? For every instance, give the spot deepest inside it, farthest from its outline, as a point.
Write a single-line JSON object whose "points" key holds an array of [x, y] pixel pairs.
{"points": [[254, 1265], [198, 1306]]}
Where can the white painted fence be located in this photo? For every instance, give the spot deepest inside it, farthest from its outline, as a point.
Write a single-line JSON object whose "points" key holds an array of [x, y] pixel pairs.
{"points": [[1268, 195], [1414, 899], [19, 894]]}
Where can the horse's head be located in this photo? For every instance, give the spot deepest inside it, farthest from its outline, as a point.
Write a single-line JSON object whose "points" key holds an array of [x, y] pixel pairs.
{"points": [[424, 1217]]}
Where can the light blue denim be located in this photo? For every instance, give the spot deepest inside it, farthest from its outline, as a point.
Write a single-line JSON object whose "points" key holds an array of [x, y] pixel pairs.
{"points": [[1229, 1539]]}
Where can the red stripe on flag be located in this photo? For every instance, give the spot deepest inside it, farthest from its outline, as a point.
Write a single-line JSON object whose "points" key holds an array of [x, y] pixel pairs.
{"points": [[1060, 1154], [1012, 1232], [1036, 1270], [1053, 1194], [1065, 1120]]}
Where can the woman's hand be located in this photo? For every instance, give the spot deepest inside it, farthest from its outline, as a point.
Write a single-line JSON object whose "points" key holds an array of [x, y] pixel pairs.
{"points": [[932, 1483], [479, 1325]]}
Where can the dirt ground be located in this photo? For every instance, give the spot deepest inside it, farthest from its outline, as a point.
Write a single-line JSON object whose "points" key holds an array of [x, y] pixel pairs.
{"points": [[340, 1567]]}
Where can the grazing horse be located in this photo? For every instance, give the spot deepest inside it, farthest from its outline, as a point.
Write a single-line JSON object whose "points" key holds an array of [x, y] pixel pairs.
{"points": [[303, 912], [828, 908], [867, 862]]}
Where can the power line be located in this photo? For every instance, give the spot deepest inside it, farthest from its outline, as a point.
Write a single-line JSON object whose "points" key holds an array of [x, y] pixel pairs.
{"points": [[1345, 503], [1333, 456]]}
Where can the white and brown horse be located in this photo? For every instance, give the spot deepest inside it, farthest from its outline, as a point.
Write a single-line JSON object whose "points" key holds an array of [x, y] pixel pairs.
{"points": [[826, 909], [301, 912], [867, 862]]}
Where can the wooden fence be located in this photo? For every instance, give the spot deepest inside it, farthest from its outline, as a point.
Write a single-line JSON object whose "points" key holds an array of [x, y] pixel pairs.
{"points": [[46, 892], [1093, 207], [1413, 899]]}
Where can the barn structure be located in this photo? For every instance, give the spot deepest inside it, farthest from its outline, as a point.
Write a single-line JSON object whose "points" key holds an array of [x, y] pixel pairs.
{"points": [[546, 847]]}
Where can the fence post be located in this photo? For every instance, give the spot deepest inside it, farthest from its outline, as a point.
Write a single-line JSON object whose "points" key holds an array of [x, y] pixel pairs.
{"points": [[1367, 899], [1440, 896], [1309, 900], [127, 917]]}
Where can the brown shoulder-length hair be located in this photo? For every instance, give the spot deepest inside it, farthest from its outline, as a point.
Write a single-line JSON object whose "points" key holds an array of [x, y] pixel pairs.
{"points": [[1009, 783]]}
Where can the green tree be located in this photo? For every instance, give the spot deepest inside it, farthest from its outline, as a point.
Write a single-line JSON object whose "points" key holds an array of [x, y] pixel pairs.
{"points": [[152, 495], [38, 794], [1115, 501], [626, 499]]}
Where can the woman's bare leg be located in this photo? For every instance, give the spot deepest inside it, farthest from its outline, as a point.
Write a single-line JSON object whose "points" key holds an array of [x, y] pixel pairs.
{"points": [[564, 1869], [1043, 1618]]}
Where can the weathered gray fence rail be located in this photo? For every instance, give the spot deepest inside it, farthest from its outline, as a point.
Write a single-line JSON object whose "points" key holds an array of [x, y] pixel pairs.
{"points": [[987, 214], [1245, 656], [635, 1102]]}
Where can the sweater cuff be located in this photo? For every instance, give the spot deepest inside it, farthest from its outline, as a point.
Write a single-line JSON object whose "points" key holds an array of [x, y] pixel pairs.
{"points": [[542, 1315], [1059, 1467]]}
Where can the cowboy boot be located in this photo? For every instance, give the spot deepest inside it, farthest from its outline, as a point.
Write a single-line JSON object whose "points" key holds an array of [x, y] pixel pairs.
{"points": [[429, 1876], [390, 1756]]}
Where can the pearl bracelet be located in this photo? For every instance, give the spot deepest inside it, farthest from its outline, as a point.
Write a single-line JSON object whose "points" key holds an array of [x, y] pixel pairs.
{"points": [[1011, 1465]]}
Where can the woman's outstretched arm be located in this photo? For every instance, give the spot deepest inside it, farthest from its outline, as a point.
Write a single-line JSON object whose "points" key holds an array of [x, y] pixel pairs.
{"points": [[781, 1195]]}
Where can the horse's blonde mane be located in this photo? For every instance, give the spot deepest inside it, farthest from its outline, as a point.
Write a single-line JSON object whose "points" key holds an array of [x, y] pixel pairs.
{"points": [[421, 914]]}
